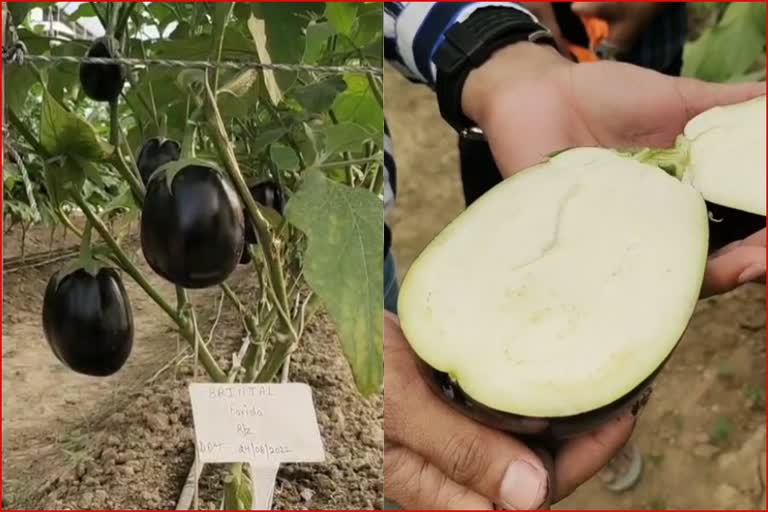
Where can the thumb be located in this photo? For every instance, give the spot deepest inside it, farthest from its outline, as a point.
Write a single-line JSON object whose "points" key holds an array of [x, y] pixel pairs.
{"points": [[415, 484], [699, 96]]}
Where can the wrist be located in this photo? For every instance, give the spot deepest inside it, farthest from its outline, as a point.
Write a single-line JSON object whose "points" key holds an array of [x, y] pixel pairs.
{"points": [[513, 64]]}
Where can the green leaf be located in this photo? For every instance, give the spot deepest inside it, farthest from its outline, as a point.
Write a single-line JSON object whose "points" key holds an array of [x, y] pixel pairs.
{"points": [[84, 11], [284, 157], [370, 23], [19, 10], [357, 104], [342, 16], [123, 201], [317, 36], [65, 77], [267, 137], [344, 137], [730, 48], [221, 13], [319, 96], [19, 85], [258, 30], [343, 265], [62, 175], [285, 24], [64, 133]]}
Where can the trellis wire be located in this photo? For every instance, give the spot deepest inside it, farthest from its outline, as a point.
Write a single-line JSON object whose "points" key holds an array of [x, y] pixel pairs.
{"points": [[19, 56]]}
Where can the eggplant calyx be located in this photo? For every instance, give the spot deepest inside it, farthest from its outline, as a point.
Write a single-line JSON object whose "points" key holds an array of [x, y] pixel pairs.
{"points": [[674, 161], [171, 169]]}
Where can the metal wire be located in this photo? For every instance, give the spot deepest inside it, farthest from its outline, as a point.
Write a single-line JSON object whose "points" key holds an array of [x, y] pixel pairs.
{"points": [[17, 54]]}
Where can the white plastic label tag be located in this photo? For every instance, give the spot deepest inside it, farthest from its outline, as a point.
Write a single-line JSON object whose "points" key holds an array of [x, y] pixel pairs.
{"points": [[262, 424]]}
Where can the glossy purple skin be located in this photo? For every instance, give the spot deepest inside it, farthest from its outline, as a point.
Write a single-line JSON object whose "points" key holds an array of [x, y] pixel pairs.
{"points": [[102, 82], [88, 321], [192, 237], [266, 194], [549, 431], [154, 154]]}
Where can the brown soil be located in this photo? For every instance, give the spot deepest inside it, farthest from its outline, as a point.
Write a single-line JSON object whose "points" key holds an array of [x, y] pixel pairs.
{"points": [[74, 442], [703, 432]]}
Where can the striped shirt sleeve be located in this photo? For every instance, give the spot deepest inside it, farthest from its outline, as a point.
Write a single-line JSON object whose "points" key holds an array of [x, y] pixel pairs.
{"points": [[413, 31]]}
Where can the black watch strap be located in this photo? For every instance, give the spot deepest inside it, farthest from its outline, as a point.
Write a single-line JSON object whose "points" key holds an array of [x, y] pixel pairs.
{"points": [[469, 44]]}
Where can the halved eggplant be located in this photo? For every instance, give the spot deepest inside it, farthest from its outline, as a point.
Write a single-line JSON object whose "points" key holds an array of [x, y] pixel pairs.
{"points": [[549, 306]]}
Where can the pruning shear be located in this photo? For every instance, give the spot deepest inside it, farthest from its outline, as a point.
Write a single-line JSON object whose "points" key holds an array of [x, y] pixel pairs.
{"points": [[599, 48]]}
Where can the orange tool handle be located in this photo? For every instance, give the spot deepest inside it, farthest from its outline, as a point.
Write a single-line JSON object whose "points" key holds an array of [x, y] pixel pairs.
{"points": [[597, 31]]}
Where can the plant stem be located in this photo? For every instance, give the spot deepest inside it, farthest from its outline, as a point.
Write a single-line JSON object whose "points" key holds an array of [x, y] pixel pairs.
{"points": [[284, 347], [68, 223], [206, 359], [122, 22], [347, 156], [375, 89], [114, 124], [26, 133], [231, 485], [342, 163], [263, 235], [137, 187], [103, 21]]}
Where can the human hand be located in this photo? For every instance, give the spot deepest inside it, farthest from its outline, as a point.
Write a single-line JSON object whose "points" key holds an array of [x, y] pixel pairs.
{"points": [[740, 262], [436, 458], [626, 20], [529, 89]]}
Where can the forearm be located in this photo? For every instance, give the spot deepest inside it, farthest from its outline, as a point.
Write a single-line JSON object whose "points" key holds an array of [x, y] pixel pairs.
{"points": [[517, 63]]}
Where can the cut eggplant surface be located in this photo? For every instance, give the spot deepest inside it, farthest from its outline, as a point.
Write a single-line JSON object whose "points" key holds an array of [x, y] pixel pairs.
{"points": [[561, 289], [727, 156], [553, 301]]}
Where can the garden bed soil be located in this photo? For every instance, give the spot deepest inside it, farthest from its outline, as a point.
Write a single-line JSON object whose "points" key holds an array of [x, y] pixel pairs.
{"points": [[126, 442]]}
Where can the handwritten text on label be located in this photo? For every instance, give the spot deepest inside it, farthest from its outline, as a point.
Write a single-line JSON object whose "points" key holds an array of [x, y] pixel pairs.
{"points": [[256, 423]]}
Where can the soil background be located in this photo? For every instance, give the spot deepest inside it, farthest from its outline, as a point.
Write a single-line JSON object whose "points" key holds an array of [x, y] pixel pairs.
{"points": [[702, 434], [126, 442]]}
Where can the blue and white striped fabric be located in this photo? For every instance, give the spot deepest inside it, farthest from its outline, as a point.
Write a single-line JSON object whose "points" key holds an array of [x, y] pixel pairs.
{"points": [[413, 31]]}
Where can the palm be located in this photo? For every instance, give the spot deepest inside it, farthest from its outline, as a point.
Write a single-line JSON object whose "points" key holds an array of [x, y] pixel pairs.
{"points": [[606, 104]]}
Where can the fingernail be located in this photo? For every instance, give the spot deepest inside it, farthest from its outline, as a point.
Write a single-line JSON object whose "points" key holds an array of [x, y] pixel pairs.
{"points": [[754, 272], [523, 487]]}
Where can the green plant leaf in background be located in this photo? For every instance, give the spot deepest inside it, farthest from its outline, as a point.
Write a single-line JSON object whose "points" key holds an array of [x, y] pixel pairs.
{"points": [[317, 36], [284, 157], [63, 133], [344, 137], [357, 104], [731, 48], [342, 16], [319, 96], [343, 266]]}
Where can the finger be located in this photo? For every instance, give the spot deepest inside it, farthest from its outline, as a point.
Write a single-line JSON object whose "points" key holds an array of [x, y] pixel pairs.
{"points": [[415, 484], [484, 460], [738, 266], [582, 457], [754, 240], [699, 96]]}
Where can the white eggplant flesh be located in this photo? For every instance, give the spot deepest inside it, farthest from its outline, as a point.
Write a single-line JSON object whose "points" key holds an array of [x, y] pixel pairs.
{"points": [[563, 288], [727, 155]]}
